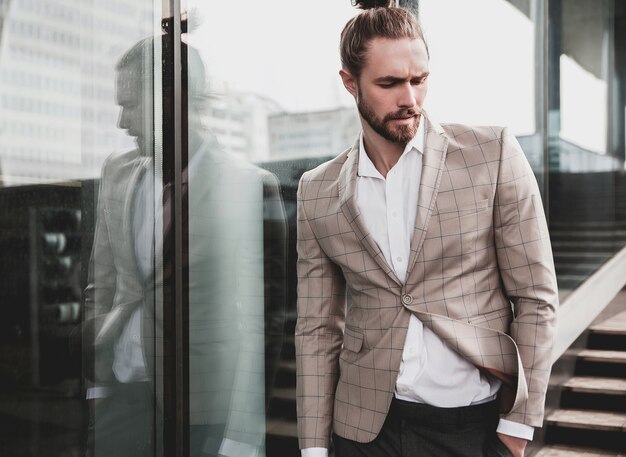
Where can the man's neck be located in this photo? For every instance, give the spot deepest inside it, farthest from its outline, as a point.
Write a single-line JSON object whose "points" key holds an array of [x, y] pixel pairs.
{"points": [[383, 153]]}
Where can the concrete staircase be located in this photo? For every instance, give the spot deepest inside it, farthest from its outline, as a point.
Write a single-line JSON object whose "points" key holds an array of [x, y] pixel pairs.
{"points": [[591, 420], [587, 222]]}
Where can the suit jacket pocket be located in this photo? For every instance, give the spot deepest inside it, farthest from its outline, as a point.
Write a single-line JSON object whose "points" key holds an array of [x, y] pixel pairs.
{"points": [[499, 319], [450, 212], [352, 343]]}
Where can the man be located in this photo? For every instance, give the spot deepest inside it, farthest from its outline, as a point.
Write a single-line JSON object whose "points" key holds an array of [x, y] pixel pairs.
{"points": [[236, 284], [438, 234]]}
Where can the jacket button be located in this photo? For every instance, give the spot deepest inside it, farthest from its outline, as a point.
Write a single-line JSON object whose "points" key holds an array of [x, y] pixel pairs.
{"points": [[407, 299]]}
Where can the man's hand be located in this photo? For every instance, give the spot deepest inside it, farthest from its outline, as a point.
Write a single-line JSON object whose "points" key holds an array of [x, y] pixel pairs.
{"points": [[514, 444]]}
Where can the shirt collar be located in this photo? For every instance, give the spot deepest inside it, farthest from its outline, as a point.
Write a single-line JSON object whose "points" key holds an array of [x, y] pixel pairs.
{"points": [[366, 166]]}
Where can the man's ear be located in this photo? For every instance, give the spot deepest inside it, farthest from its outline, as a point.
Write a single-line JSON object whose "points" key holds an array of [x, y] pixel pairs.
{"points": [[349, 82]]}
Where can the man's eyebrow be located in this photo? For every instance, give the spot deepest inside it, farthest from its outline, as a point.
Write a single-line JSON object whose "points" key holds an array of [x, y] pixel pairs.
{"points": [[396, 79]]}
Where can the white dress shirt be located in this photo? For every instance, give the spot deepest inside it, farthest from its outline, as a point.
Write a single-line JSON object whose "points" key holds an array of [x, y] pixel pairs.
{"points": [[430, 372]]}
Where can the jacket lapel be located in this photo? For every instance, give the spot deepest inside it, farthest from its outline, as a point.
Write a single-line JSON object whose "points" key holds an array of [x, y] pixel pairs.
{"points": [[434, 158], [139, 164], [347, 201]]}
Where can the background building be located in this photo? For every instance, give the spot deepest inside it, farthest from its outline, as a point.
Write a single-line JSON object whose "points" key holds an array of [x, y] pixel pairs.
{"points": [[57, 94], [312, 134], [240, 123]]}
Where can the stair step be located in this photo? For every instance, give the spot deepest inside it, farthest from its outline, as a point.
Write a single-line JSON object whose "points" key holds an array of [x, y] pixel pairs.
{"points": [[587, 246], [590, 420], [279, 427], [615, 325], [576, 269], [588, 232], [599, 256], [288, 365], [284, 393], [286, 374], [571, 451], [571, 278], [594, 355], [588, 225], [283, 403], [578, 265], [606, 341], [597, 385]]}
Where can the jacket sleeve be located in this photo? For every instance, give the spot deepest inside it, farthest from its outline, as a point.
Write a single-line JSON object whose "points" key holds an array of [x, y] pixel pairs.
{"points": [[526, 267], [260, 297], [319, 332]]}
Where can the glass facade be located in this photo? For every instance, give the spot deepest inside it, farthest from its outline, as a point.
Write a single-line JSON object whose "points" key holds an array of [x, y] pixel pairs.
{"points": [[586, 131], [149, 157], [60, 119]]}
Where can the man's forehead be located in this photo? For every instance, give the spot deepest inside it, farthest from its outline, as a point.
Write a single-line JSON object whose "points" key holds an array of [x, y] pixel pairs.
{"points": [[386, 55], [396, 43]]}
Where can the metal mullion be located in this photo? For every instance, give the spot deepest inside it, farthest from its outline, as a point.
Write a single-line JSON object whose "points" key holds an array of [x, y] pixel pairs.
{"points": [[176, 399], [608, 63], [179, 302], [540, 15]]}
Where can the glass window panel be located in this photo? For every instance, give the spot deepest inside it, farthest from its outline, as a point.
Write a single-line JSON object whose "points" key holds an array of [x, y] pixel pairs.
{"points": [[273, 107], [491, 76], [79, 323], [586, 153], [488, 76], [583, 113]]}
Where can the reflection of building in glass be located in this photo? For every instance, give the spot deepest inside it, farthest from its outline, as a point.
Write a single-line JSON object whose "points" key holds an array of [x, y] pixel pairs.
{"points": [[313, 134], [58, 117], [586, 100], [239, 121]]}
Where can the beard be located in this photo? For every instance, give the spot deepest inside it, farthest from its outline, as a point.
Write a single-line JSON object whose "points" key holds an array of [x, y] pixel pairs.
{"points": [[400, 134]]}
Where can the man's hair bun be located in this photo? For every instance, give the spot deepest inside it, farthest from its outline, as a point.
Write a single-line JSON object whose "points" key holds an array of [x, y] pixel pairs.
{"points": [[369, 4]]}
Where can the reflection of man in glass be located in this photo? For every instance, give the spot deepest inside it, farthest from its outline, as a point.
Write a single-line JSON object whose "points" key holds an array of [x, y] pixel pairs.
{"points": [[236, 282]]}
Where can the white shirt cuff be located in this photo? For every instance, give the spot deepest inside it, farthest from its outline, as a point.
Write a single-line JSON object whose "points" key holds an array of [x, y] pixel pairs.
{"points": [[515, 429], [315, 452], [230, 448], [97, 392]]}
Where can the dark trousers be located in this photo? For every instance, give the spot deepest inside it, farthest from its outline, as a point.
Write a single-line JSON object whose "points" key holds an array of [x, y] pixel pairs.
{"points": [[122, 424], [417, 430]]}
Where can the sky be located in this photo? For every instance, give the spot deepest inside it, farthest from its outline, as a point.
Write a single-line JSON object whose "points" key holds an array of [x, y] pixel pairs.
{"points": [[482, 69], [284, 49]]}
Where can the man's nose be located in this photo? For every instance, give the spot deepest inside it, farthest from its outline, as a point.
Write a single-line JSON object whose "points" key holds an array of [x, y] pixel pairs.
{"points": [[406, 96], [122, 120]]}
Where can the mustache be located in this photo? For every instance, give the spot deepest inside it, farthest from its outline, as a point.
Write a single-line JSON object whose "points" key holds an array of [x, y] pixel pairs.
{"points": [[402, 114]]}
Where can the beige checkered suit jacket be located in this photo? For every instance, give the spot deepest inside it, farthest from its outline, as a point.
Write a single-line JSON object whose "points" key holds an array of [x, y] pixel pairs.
{"points": [[480, 275]]}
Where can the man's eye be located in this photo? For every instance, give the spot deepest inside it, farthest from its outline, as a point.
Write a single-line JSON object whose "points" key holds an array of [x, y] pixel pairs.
{"points": [[386, 85]]}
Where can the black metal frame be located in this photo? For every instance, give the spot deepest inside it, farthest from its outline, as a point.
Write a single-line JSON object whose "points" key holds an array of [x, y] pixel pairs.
{"points": [[175, 239]]}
